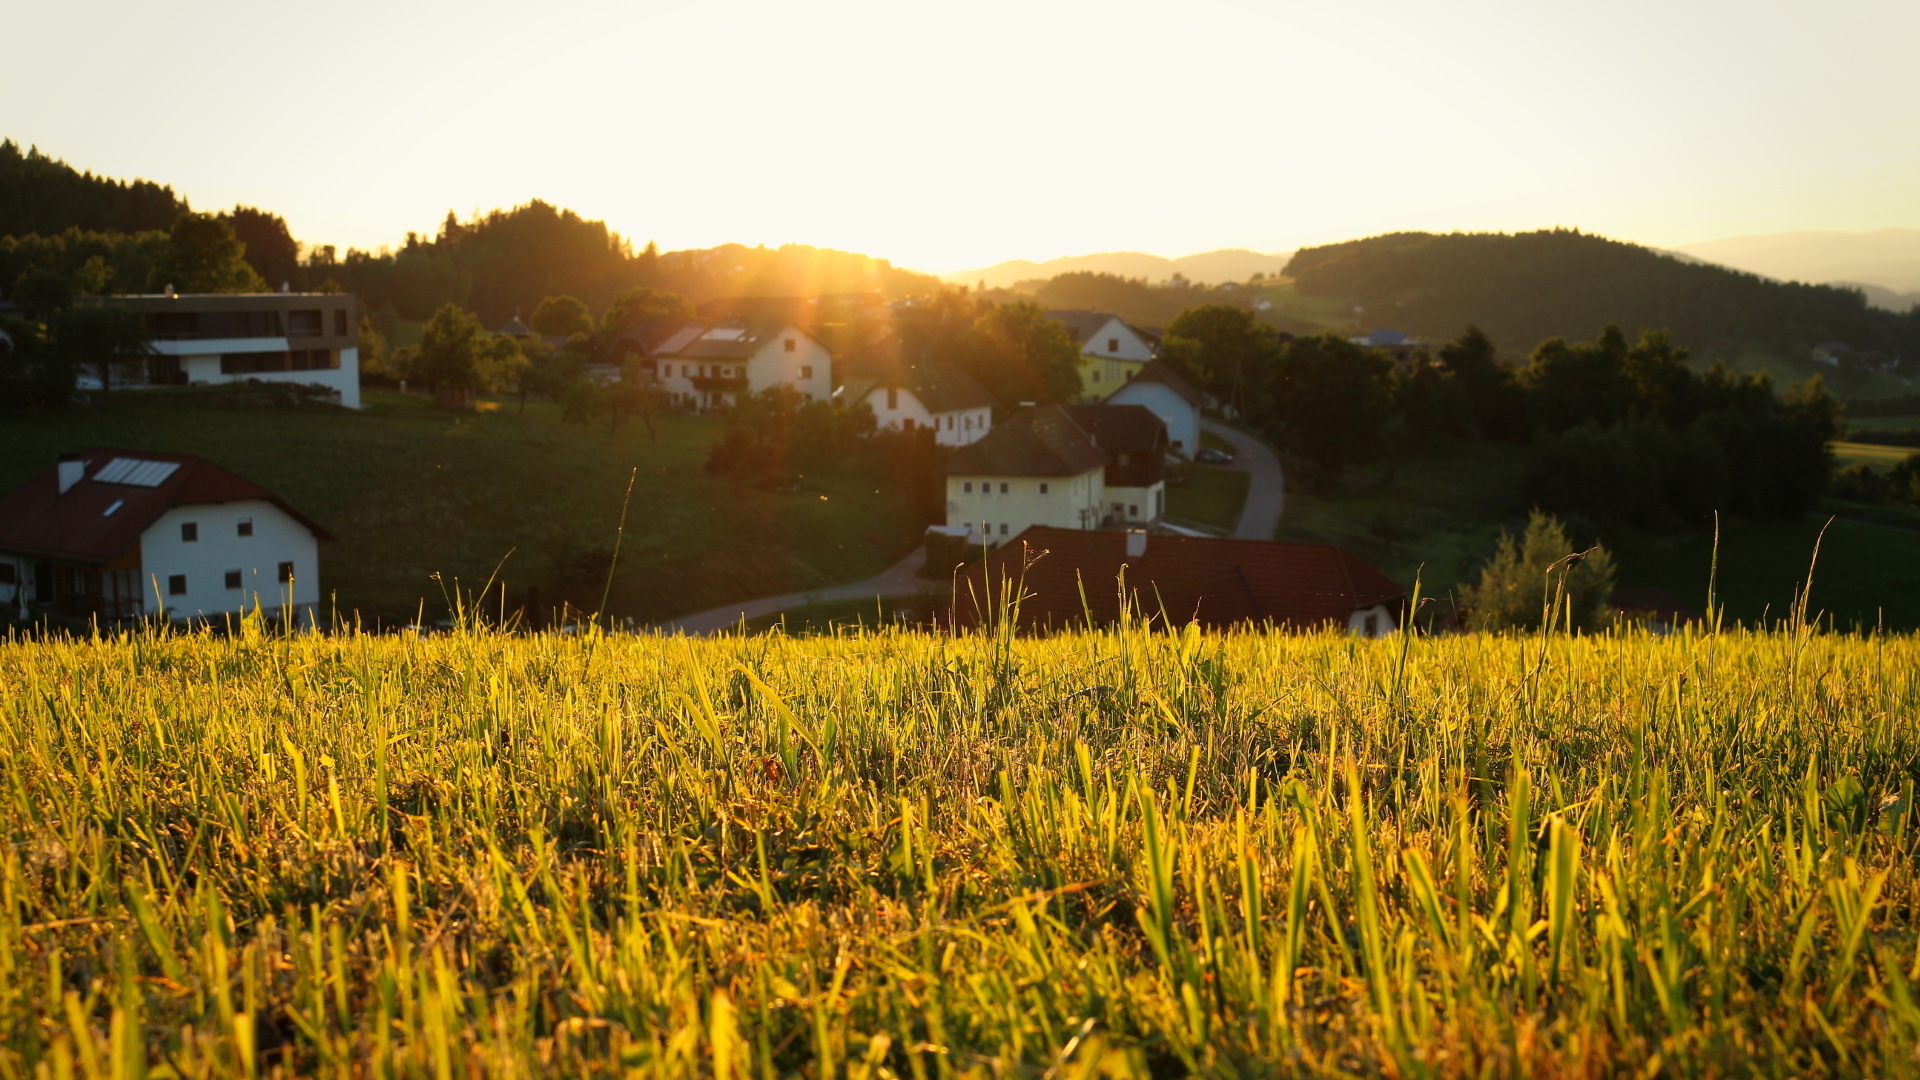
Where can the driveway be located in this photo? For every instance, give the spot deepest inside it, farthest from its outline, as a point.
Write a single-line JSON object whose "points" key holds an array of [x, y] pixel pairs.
{"points": [[1266, 488], [900, 579]]}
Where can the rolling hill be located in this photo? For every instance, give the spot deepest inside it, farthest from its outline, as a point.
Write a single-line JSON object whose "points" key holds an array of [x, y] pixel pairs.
{"points": [[1524, 288], [1207, 268]]}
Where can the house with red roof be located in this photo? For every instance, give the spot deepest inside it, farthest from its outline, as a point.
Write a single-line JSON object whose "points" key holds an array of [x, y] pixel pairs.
{"points": [[121, 534], [1065, 579]]}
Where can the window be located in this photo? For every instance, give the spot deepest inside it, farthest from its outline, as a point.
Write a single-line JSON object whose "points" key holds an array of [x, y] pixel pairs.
{"points": [[806, 371], [340, 322], [967, 487], [303, 324], [245, 527], [792, 345], [1133, 510], [233, 579], [950, 423], [1044, 487], [189, 531], [1003, 487], [1096, 376], [906, 423], [893, 397], [286, 571], [177, 585], [9, 574], [1113, 344], [1373, 625]]}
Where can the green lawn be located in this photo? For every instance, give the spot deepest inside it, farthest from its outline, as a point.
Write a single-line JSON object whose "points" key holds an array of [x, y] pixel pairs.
{"points": [[412, 491], [1867, 574], [1211, 496], [1440, 507], [1884, 423]]}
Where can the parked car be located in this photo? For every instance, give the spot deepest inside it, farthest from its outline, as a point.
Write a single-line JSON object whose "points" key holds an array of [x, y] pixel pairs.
{"points": [[1209, 456]]}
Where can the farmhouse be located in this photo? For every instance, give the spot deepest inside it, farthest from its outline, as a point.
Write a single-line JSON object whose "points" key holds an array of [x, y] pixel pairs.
{"points": [[117, 534], [709, 364], [1135, 442], [1112, 351], [1178, 580], [1395, 344], [942, 397], [1038, 467], [206, 339], [1171, 398]]}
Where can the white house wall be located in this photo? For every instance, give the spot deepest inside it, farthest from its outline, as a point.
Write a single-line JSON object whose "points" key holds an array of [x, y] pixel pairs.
{"points": [[1118, 341], [202, 366], [956, 427], [1181, 418], [276, 538], [979, 504], [808, 368], [1137, 505]]}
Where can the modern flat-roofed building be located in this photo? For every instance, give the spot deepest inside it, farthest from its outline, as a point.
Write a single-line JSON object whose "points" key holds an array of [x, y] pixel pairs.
{"points": [[202, 339]]}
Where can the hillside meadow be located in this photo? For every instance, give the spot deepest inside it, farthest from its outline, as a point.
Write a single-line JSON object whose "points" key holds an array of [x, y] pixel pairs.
{"points": [[897, 854]]}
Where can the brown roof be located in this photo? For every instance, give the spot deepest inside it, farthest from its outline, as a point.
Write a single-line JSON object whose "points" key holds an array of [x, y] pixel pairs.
{"points": [[1216, 583], [1159, 372], [731, 339], [1033, 442], [85, 526]]}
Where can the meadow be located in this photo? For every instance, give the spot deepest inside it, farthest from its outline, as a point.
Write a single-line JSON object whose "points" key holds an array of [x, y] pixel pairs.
{"points": [[898, 854]]}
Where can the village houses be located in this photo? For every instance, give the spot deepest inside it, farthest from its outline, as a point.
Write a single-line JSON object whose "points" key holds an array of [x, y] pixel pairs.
{"points": [[710, 364], [1162, 391], [204, 339], [121, 534], [1112, 350]]}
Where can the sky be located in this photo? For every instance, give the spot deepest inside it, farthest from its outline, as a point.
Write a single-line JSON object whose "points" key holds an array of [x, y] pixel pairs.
{"points": [[945, 137]]}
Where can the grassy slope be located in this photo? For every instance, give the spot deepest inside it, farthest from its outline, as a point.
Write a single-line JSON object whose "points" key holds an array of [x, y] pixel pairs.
{"points": [[1444, 506], [924, 856], [411, 491], [1209, 495]]}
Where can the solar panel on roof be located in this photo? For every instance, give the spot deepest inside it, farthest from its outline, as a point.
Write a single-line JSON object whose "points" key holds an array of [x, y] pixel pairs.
{"points": [[136, 472]]}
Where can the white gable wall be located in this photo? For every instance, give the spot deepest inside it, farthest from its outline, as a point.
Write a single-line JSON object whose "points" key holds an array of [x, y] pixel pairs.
{"points": [[1181, 418], [978, 503], [276, 538], [1117, 341], [794, 359], [898, 408]]}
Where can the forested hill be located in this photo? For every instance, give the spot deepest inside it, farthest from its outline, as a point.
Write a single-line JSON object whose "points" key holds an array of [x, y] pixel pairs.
{"points": [[1563, 283], [40, 194]]}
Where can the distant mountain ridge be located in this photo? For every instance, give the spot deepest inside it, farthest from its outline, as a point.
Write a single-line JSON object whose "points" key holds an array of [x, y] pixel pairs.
{"points": [[1886, 258], [1206, 268]]}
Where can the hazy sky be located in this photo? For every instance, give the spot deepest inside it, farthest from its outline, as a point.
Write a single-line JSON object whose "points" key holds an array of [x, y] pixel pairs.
{"points": [[946, 136]]}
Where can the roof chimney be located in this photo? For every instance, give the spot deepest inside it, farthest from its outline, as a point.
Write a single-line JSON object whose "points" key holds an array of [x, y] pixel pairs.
{"points": [[169, 289], [72, 468], [1136, 543]]}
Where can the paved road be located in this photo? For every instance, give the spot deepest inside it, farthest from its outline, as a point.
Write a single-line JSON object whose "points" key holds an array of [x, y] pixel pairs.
{"points": [[1266, 488], [897, 580]]}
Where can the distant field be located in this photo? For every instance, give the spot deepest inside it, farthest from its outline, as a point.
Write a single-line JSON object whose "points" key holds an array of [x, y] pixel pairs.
{"points": [[412, 491], [1880, 458], [900, 856]]}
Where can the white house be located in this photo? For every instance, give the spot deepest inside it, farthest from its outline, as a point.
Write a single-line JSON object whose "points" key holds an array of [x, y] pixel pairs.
{"points": [[937, 396], [1112, 351], [203, 339], [118, 534], [1171, 398], [1037, 467], [708, 364]]}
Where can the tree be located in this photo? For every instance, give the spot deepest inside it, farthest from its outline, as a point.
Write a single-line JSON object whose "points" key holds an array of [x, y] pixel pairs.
{"points": [[1224, 350], [376, 361], [453, 348], [204, 256], [1490, 403], [1542, 568], [561, 316], [636, 393], [270, 248], [1020, 355], [32, 375], [98, 336], [1330, 398], [637, 307]]}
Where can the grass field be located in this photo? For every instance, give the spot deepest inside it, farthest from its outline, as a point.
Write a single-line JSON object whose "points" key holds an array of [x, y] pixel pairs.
{"points": [[1880, 458], [412, 491], [900, 855], [1211, 496]]}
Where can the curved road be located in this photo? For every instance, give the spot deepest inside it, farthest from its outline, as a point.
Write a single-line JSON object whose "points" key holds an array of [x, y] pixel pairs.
{"points": [[900, 579], [1266, 487]]}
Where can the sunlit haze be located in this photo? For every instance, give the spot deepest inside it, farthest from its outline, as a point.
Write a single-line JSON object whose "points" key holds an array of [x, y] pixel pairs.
{"points": [[949, 136]]}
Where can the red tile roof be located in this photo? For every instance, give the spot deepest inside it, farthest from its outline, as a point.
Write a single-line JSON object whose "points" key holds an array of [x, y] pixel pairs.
{"points": [[37, 520], [1217, 583]]}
